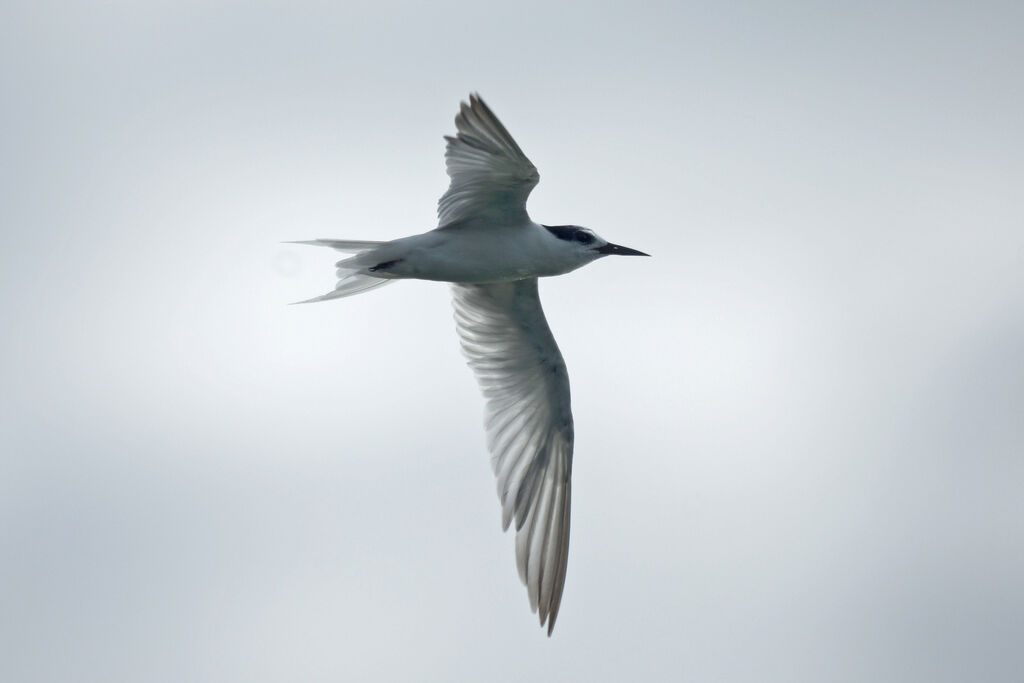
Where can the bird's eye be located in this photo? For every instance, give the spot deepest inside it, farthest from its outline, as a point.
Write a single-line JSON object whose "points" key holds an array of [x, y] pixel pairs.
{"points": [[584, 237]]}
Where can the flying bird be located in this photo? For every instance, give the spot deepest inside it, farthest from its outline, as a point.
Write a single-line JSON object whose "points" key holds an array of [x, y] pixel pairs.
{"points": [[487, 246]]}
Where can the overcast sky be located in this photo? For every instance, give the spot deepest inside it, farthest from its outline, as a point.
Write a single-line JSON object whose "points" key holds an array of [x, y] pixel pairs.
{"points": [[800, 426]]}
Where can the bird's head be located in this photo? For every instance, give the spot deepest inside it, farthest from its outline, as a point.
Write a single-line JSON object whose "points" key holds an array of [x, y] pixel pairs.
{"points": [[586, 245]]}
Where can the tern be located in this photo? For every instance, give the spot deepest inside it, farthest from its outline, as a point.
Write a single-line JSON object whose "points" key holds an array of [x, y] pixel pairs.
{"points": [[487, 246]]}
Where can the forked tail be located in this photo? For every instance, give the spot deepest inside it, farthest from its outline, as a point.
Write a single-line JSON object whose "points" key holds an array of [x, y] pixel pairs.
{"points": [[352, 278]]}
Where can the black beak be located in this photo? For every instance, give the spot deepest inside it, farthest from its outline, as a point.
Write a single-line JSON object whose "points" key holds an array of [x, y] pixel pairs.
{"points": [[618, 251]]}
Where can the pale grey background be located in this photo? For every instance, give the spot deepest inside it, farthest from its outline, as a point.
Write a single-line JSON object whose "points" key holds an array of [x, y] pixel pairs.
{"points": [[799, 425]]}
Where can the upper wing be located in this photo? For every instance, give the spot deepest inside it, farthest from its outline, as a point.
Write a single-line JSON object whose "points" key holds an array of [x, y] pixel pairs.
{"points": [[509, 345], [491, 177]]}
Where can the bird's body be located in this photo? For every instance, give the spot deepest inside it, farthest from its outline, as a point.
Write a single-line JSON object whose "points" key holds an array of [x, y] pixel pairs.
{"points": [[471, 252], [492, 253]]}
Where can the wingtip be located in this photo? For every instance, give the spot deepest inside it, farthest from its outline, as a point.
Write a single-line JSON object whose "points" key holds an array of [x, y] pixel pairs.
{"points": [[550, 623], [476, 102]]}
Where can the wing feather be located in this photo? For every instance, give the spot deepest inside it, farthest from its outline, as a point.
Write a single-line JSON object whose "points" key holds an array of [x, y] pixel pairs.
{"points": [[508, 343], [490, 176]]}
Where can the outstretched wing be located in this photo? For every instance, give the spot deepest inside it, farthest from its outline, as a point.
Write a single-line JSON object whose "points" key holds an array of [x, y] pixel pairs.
{"points": [[491, 177], [509, 345]]}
